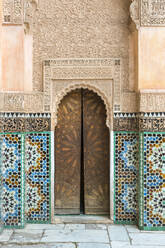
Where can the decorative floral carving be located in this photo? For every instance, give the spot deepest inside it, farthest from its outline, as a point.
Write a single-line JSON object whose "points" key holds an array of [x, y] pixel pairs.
{"points": [[14, 102], [17, 122], [152, 101], [152, 12], [13, 11], [95, 74], [29, 8]]}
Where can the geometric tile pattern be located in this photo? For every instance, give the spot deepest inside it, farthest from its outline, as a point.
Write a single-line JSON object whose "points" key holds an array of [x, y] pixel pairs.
{"points": [[152, 181], [126, 175], [1, 223], [37, 168], [12, 180]]}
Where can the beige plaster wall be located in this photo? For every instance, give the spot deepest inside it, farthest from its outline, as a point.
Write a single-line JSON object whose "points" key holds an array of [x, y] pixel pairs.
{"points": [[16, 55], [28, 62], [0, 42], [12, 58], [152, 58]]}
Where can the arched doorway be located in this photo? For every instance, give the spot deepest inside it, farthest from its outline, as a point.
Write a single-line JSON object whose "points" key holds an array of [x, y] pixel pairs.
{"points": [[82, 155]]}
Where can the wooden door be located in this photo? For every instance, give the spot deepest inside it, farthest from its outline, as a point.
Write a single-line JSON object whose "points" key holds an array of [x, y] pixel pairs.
{"points": [[81, 155], [96, 155], [68, 155]]}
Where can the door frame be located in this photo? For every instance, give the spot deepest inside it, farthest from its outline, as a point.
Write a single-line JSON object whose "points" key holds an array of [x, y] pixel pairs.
{"points": [[109, 120]]}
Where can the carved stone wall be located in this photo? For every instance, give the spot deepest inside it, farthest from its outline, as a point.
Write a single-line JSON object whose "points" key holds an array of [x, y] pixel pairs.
{"points": [[13, 11], [21, 102], [78, 29], [152, 12], [152, 101], [64, 75], [148, 12]]}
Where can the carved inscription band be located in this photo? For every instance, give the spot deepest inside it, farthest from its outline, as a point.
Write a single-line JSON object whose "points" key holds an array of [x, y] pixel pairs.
{"points": [[142, 122], [17, 122]]}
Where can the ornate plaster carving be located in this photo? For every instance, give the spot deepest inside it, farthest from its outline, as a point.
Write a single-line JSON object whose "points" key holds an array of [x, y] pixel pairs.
{"points": [[20, 122], [152, 101], [152, 13], [80, 29], [59, 94], [143, 122], [130, 102], [126, 122], [154, 122], [82, 69], [30, 7], [22, 102], [13, 11], [135, 13], [1, 101], [14, 102]]}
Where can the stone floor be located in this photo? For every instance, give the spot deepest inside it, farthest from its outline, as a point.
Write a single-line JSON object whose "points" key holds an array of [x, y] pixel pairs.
{"points": [[81, 236]]}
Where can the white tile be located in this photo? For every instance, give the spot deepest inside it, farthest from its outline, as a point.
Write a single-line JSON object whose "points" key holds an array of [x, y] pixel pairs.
{"points": [[29, 232], [68, 245], [26, 236], [118, 244], [148, 239], [56, 245], [93, 245], [75, 236], [12, 246], [96, 226], [75, 226], [132, 228], [44, 226], [5, 235], [118, 233]]}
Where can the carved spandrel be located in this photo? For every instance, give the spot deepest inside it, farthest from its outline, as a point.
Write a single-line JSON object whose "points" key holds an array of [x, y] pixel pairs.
{"points": [[87, 71]]}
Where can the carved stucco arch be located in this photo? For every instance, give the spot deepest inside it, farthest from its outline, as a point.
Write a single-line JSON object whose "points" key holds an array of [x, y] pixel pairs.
{"points": [[95, 89]]}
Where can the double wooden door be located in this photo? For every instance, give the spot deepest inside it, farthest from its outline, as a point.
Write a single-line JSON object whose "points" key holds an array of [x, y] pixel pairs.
{"points": [[81, 155]]}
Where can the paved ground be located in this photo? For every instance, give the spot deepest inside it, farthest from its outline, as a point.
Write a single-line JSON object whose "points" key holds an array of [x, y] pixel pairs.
{"points": [[81, 236]]}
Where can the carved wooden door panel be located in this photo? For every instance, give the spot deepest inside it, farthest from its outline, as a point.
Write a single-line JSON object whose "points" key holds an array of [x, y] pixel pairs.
{"points": [[96, 155], [68, 155]]}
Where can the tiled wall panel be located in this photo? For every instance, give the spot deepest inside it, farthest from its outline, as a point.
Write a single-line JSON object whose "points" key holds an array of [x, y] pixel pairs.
{"points": [[12, 180], [126, 174], [152, 181], [1, 223], [37, 167]]}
